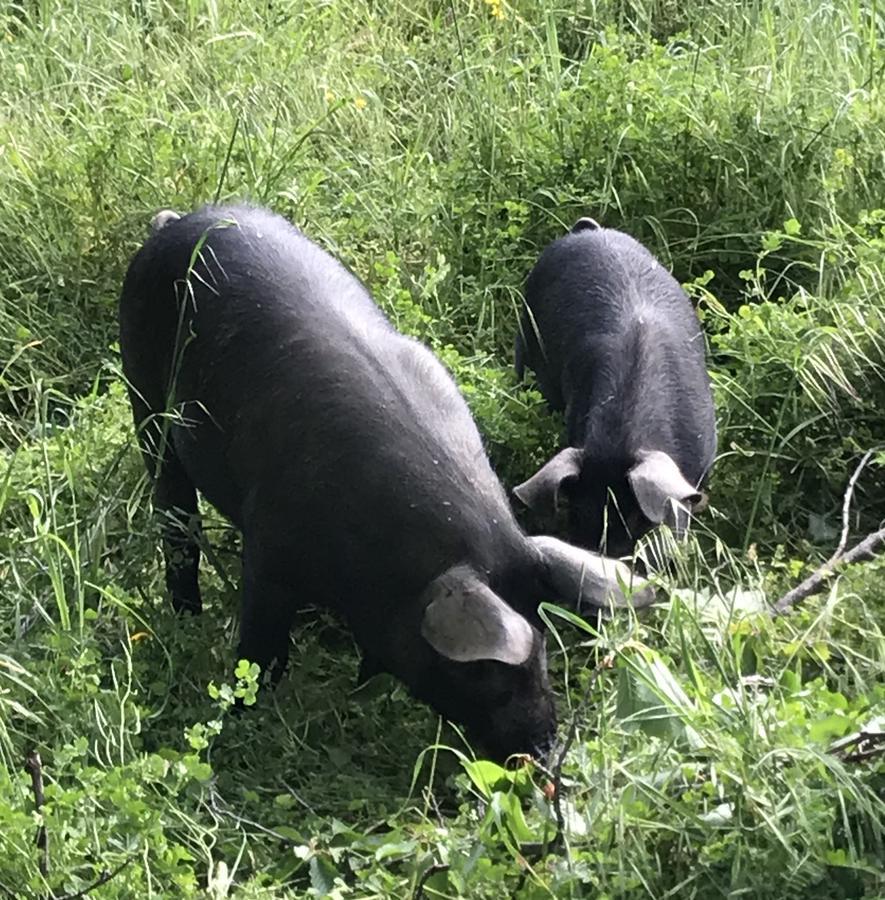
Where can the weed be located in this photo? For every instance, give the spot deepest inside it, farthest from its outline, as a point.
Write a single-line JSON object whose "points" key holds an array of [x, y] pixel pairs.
{"points": [[435, 148]]}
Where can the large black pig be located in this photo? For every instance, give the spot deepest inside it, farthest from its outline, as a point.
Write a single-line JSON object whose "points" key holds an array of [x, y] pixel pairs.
{"points": [[615, 345], [262, 374]]}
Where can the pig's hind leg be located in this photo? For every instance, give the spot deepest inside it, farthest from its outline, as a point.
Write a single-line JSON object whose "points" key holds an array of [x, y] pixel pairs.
{"points": [[268, 609], [175, 499]]}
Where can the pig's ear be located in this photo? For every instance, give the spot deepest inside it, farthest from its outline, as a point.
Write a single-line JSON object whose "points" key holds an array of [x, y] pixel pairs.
{"points": [[579, 578], [656, 481], [466, 621], [585, 223], [541, 492], [163, 218]]}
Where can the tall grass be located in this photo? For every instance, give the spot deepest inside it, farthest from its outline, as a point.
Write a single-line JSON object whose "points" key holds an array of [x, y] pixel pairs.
{"points": [[436, 147]]}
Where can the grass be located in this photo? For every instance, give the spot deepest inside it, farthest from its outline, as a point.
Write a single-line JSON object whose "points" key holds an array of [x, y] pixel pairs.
{"points": [[435, 148]]}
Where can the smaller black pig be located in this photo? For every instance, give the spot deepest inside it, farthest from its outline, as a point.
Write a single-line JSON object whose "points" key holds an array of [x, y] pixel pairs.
{"points": [[262, 374], [616, 346]]}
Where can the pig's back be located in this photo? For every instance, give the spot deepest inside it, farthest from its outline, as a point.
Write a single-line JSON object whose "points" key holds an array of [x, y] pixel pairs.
{"points": [[597, 282], [306, 412]]}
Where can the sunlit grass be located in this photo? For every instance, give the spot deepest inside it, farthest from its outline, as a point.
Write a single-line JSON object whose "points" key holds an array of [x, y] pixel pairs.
{"points": [[435, 148]]}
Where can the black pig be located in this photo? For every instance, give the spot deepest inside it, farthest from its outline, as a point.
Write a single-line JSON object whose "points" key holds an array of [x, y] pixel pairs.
{"points": [[262, 374], [616, 346]]}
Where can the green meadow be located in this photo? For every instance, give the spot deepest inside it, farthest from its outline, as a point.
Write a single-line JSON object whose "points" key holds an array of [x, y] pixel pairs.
{"points": [[710, 748]]}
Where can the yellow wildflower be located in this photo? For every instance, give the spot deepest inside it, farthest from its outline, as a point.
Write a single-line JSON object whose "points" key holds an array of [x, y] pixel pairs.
{"points": [[496, 8]]}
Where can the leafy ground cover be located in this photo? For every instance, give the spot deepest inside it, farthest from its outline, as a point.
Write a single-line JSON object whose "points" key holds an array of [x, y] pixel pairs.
{"points": [[436, 147]]}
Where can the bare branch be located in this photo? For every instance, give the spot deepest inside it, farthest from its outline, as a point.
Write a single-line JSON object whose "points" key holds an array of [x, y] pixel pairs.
{"points": [[218, 806], [866, 753], [428, 873], [34, 766], [846, 507], [866, 550], [104, 878], [577, 712], [860, 746]]}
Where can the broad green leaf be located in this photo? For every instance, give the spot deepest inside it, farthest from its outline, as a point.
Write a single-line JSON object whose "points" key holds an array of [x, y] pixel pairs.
{"points": [[486, 775], [322, 875], [829, 727], [508, 813], [396, 850], [649, 697]]}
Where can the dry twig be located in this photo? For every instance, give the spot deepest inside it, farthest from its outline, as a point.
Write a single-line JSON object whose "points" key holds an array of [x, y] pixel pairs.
{"points": [[859, 747], [218, 806], [104, 878], [865, 550], [566, 746], [34, 766], [846, 505], [429, 872]]}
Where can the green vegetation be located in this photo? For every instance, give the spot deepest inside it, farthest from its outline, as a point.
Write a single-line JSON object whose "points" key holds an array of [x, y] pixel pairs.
{"points": [[436, 147]]}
